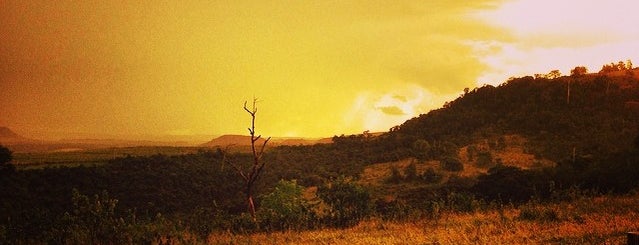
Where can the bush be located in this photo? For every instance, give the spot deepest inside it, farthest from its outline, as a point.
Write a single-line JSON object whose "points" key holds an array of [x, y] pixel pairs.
{"points": [[462, 202], [93, 220], [411, 172], [394, 210], [484, 159], [348, 202], [452, 164], [534, 211], [395, 176], [5, 160], [507, 183], [430, 176], [286, 208]]}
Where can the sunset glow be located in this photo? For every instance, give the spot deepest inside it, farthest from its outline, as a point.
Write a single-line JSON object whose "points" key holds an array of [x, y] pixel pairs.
{"points": [[319, 68]]}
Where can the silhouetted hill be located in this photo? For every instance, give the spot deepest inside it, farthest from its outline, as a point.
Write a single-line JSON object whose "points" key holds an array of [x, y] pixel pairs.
{"points": [[229, 139], [245, 140], [570, 115], [7, 136]]}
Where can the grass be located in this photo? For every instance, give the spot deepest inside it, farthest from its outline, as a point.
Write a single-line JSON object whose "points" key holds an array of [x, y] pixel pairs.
{"points": [[599, 220], [79, 157]]}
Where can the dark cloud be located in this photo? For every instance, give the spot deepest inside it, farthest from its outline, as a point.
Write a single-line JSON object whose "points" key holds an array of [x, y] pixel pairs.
{"points": [[400, 98], [392, 110]]}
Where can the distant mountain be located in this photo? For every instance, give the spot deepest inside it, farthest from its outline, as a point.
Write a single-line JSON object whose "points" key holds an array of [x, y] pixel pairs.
{"points": [[7, 136], [245, 140]]}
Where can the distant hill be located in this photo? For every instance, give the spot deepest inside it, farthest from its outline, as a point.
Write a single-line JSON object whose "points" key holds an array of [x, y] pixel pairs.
{"points": [[8, 137], [245, 140], [20, 144]]}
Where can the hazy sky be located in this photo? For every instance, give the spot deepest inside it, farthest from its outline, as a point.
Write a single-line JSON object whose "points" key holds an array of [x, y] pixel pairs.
{"points": [[319, 68]]}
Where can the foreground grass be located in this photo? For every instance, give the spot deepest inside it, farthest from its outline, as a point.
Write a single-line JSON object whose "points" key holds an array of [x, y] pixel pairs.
{"points": [[600, 220]]}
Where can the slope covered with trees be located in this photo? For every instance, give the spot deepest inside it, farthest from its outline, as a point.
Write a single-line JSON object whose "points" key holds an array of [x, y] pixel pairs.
{"points": [[589, 114]]}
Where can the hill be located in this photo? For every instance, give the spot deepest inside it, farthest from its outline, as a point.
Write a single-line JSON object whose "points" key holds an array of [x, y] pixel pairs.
{"points": [[20, 144], [8, 137], [244, 140], [560, 118]]}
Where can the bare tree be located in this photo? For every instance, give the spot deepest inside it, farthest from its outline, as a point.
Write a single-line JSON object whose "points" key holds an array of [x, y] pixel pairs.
{"points": [[250, 175]]}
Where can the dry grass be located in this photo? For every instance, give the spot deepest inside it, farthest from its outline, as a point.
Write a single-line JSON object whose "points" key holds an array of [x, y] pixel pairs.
{"points": [[603, 220], [514, 154], [376, 174]]}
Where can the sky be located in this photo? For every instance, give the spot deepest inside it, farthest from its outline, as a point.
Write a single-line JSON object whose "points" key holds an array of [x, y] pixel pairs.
{"points": [[137, 69]]}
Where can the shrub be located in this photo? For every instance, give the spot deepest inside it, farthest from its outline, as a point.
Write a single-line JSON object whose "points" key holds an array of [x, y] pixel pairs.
{"points": [[285, 207], [5, 160], [462, 202], [430, 176], [393, 210], [484, 159], [348, 202], [93, 220], [395, 176], [507, 183], [452, 164], [411, 172], [534, 211]]}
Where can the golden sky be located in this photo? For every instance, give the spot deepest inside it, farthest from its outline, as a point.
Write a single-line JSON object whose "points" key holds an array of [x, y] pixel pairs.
{"points": [[319, 68]]}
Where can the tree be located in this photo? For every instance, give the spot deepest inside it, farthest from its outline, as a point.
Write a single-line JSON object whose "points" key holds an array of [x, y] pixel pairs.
{"points": [[553, 74], [621, 66], [421, 149], [578, 71], [5, 159], [251, 175]]}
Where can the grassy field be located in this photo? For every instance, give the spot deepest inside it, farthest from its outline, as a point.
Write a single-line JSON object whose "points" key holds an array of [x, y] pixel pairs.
{"points": [[76, 157], [598, 220]]}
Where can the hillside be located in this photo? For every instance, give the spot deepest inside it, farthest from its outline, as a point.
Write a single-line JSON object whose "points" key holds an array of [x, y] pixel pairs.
{"points": [[245, 140], [587, 115], [7, 136]]}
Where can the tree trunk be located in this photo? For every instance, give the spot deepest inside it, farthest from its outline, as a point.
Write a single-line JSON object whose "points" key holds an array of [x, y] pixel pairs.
{"points": [[251, 207], [633, 238], [568, 94], [250, 203]]}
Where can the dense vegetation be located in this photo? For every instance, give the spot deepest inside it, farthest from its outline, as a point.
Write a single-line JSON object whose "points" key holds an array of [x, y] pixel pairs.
{"points": [[589, 132], [598, 117]]}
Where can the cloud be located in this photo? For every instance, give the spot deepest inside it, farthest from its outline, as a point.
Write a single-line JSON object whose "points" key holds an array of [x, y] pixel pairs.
{"points": [[548, 35], [511, 60], [379, 111], [391, 110], [400, 98]]}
